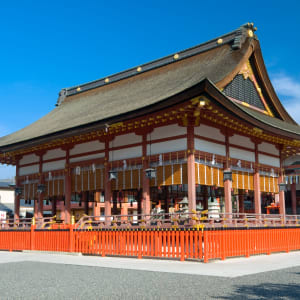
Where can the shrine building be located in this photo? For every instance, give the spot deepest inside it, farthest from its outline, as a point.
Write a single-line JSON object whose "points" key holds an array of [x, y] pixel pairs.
{"points": [[201, 123]]}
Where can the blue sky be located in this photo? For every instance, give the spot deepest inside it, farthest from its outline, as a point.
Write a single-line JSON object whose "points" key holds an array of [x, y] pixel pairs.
{"points": [[49, 45]]}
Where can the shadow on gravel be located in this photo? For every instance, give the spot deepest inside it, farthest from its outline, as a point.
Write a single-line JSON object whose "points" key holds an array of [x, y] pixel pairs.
{"points": [[265, 291]]}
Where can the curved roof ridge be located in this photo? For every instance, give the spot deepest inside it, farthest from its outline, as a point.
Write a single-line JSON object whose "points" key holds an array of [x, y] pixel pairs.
{"points": [[236, 37]]}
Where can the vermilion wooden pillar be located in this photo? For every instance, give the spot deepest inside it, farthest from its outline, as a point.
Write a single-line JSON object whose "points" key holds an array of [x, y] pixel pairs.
{"points": [[17, 197], [40, 195], [35, 209], [107, 187], [294, 198], [281, 197], [146, 181], [257, 193], [227, 183], [96, 205], [68, 191], [256, 184], [40, 206], [281, 194], [191, 167], [228, 200]]}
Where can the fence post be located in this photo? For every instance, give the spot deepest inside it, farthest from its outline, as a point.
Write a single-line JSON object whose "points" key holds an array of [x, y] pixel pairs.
{"points": [[139, 244], [182, 252], [32, 234], [205, 248], [71, 233]]}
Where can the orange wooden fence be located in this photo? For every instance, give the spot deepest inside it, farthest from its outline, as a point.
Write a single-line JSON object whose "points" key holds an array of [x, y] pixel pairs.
{"points": [[203, 244]]}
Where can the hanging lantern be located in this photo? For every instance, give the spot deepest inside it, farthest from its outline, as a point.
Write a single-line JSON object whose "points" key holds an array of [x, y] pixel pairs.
{"points": [[150, 173], [227, 175], [41, 188], [112, 175]]}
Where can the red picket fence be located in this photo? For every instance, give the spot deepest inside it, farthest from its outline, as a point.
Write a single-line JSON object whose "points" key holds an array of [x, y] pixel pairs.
{"points": [[224, 243], [152, 243], [204, 244], [15, 240]]}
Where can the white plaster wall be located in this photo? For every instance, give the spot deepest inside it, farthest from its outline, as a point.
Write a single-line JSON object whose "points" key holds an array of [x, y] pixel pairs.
{"points": [[7, 197], [269, 160], [241, 154], [126, 139], [54, 153], [87, 157], [167, 146], [241, 141], [28, 159], [268, 148], [87, 147], [54, 165], [210, 132], [210, 147], [29, 170], [166, 131], [125, 153]]}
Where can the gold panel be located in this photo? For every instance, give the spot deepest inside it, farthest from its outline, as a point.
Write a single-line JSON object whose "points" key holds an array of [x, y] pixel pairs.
{"points": [[168, 175], [184, 174], [159, 174], [136, 180], [85, 177], [262, 183], [196, 174], [55, 187], [98, 175], [120, 181], [177, 174], [128, 179]]}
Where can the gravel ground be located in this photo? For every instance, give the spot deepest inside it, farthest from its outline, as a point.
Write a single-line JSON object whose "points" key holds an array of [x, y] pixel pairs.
{"points": [[34, 280]]}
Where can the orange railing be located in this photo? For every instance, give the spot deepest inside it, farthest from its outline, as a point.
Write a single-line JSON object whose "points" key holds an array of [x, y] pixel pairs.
{"points": [[172, 237]]}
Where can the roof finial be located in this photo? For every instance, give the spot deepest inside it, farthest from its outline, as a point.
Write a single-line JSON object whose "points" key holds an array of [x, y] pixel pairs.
{"points": [[61, 97], [246, 30]]}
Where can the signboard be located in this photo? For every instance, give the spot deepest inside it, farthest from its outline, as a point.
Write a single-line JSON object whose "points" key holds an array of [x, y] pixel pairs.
{"points": [[2, 216]]}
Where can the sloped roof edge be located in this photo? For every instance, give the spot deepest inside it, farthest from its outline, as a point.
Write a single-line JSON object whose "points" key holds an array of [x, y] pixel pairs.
{"points": [[236, 38]]}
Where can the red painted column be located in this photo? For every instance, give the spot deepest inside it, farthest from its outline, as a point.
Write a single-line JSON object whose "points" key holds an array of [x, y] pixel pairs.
{"points": [[281, 197], [96, 204], [281, 194], [257, 194], [107, 187], [191, 167], [294, 198], [40, 195], [228, 200], [227, 183], [68, 192], [124, 209], [40, 206], [35, 209], [146, 181], [17, 197], [256, 184]]}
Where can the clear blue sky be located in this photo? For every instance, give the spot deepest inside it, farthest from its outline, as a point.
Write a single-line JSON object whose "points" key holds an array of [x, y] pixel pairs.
{"points": [[49, 45]]}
